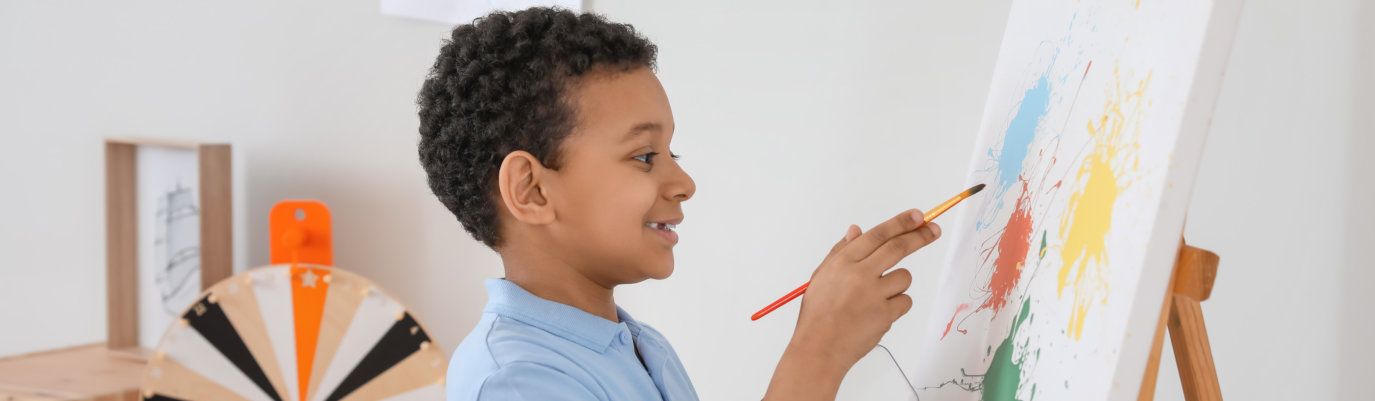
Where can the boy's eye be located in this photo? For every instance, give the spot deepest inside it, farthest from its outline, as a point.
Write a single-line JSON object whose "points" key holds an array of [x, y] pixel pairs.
{"points": [[647, 158]]}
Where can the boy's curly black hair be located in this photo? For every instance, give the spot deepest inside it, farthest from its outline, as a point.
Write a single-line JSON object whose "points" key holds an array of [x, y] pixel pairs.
{"points": [[501, 84]]}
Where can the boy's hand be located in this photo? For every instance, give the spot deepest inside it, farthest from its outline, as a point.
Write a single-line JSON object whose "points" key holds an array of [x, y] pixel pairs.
{"points": [[849, 305]]}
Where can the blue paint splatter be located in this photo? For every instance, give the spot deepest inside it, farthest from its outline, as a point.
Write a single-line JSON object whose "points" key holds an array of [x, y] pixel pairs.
{"points": [[1020, 132], [1006, 163]]}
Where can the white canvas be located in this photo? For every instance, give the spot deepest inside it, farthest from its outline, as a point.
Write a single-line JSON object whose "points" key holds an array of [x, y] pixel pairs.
{"points": [[1089, 144]]}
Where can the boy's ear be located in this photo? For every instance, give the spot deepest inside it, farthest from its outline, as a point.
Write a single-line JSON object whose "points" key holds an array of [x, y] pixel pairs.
{"points": [[519, 181]]}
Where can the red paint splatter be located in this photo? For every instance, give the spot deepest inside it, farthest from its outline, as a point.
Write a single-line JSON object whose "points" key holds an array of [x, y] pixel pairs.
{"points": [[959, 309], [1012, 249]]}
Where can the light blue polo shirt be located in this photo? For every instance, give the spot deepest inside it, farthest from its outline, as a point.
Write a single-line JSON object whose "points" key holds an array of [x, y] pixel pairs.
{"points": [[530, 348]]}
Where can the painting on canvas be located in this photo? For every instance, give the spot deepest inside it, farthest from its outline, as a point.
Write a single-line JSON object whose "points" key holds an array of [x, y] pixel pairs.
{"points": [[1089, 144]]}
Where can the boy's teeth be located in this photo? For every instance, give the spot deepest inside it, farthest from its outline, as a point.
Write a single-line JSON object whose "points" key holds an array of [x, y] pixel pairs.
{"points": [[661, 226]]}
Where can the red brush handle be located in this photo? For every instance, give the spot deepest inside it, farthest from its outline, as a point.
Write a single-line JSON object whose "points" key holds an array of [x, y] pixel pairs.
{"points": [[786, 298]]}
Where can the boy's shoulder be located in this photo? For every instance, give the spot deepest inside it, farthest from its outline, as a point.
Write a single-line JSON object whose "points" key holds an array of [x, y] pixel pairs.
{"points": [[526, 347], [501, 339], [501, 349]]}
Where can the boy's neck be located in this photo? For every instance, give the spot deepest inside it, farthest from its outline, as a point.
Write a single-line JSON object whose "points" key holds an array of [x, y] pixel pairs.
{"points": [[553, 279]]}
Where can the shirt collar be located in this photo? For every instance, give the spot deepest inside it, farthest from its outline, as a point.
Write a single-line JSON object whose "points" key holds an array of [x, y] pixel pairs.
{"points": [[508, 299]]}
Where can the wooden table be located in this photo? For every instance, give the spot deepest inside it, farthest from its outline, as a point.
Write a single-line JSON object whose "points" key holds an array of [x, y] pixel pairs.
{"points": [[86, 372]]}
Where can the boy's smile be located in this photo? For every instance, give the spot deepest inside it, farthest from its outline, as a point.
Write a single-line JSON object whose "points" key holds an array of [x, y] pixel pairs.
{"points": [[666, 230]]}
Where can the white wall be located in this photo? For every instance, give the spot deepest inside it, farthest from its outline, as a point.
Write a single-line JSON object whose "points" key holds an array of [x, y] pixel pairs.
{"points": [[1277, 198], [1358, 327], [795, 119]]}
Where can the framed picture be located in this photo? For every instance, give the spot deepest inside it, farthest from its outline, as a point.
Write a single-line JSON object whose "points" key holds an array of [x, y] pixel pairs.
{"points": [[168, 233]]}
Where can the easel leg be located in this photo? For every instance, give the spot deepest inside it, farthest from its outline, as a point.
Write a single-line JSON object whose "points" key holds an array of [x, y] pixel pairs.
{"points": [[1192, 352], [1192, 282], [1153, 363], [1194, 276]]}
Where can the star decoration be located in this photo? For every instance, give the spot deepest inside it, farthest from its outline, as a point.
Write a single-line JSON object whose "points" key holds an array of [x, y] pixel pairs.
{"points": [[308, 279]]}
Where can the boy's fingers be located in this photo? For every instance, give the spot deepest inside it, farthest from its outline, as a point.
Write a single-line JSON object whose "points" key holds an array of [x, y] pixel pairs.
{"points": [[850, 234], [898, 305], [895, 282], [898, 248], [865, 244], [839, 245]]}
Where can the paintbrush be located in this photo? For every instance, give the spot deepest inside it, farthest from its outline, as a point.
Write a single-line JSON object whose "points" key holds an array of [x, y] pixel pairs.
{"points": [[930, 215]]}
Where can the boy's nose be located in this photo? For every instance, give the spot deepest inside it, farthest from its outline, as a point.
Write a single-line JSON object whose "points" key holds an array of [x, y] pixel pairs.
{"points": [[681, 186]]}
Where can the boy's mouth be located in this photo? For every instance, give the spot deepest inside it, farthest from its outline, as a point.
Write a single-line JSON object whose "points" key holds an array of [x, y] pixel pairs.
{"points": [[661, 226], [665, 229]]}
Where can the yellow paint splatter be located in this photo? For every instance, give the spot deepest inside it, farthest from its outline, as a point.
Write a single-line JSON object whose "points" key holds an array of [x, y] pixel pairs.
{"points": [[1088, 215]]}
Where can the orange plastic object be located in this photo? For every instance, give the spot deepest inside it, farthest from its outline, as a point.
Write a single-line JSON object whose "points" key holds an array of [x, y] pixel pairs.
{"points": [[300, 232]]}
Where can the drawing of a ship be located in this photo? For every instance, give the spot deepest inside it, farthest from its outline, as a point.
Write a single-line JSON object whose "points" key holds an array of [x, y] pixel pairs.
{"points": [[177, 248]]}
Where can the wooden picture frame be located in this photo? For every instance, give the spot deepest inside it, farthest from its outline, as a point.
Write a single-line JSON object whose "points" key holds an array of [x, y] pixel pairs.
{"points": [[212, 204]]}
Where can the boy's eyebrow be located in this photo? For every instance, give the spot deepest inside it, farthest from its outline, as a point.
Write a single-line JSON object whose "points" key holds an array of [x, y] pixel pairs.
{"points": [[642, 128]]}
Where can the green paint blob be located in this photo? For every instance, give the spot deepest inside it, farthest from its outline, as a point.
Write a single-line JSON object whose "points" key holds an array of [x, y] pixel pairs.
{"points": [[1005, 374], [1043, 244]]}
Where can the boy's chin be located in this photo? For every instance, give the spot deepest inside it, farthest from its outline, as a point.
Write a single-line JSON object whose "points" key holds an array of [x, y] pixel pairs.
{"points": [[661, 274], [660, 270]]}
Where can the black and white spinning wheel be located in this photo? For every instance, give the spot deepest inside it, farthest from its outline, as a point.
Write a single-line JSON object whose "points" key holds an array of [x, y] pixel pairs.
{"points": [[295, 333]]}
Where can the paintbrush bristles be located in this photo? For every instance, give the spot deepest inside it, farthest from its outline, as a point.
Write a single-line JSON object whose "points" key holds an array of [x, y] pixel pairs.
{"points": [[950, 203], [975, 189]]}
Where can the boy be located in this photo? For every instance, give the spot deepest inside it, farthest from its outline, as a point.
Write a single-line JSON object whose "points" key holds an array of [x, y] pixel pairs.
{"points": [[547, 134]]}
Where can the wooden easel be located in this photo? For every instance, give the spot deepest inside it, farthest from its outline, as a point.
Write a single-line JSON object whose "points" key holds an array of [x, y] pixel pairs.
{"points": [[1191, 283]]}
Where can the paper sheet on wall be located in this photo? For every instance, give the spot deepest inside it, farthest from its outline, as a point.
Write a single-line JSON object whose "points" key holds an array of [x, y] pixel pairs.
{"points": [[169, 274]]}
